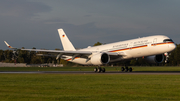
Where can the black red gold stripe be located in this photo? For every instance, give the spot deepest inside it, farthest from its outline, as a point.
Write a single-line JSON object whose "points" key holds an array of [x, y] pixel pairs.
{"points": [[161, 43], [71, 58], [131, 48]]}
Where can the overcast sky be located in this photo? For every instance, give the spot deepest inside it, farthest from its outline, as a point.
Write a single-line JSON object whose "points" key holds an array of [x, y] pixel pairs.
{"points": [[34, 23]]}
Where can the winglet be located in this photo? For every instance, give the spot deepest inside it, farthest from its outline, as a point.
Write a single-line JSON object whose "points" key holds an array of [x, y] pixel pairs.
{"points": [[9, 45]]}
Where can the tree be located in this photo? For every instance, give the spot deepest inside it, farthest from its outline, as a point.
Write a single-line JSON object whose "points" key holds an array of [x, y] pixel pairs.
{"points": [[97, 44], [174, 58], [2, 58], [31, 57], [8, 55]]}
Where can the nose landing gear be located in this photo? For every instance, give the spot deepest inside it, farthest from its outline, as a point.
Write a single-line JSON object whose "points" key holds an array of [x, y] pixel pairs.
{"points": [[167, 57]]}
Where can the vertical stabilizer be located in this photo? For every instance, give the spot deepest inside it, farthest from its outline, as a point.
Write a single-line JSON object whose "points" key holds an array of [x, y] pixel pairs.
{"points": [[67, 45]]}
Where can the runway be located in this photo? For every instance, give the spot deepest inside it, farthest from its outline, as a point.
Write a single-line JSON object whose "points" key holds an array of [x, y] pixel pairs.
{"points": [[90, 72]]}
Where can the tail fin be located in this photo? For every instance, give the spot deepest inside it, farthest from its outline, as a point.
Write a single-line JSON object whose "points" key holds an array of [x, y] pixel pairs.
{"points": [[67, 45]]}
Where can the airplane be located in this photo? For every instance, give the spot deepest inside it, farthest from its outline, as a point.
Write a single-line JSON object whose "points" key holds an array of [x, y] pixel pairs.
{"points": [[151, 48]]}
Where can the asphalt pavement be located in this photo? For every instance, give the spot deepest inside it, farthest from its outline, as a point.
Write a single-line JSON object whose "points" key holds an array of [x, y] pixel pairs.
{"points": [[90, 72]]}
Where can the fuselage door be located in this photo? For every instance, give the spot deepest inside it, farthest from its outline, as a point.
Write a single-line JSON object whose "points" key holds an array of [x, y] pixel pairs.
{"points": [[154, 42], [130, 46]]}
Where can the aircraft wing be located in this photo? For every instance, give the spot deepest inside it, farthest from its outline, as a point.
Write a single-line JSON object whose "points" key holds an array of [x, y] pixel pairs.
{"points": [[81, 54], [69, 53], [59, 53]]}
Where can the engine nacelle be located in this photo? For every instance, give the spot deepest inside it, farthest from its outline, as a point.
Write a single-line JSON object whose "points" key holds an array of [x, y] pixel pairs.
{"points": [[99, 59], [155, 58]]}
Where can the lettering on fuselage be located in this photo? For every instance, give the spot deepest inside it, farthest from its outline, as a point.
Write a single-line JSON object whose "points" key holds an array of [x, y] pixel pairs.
{"points": [[136, 43], [143, 42], [121, 45]]}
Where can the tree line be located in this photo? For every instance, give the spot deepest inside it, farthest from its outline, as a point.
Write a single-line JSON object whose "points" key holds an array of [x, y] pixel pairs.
{"points": [[30, 57]]}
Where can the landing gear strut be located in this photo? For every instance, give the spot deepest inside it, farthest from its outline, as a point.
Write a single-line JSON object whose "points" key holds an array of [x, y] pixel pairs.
{"points": [[99, 69], [126, 69]]}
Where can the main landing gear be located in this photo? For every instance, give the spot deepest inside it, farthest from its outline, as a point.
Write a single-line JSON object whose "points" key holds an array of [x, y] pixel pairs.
{"points": [[126, 69], [123, 69], [99, 69]]}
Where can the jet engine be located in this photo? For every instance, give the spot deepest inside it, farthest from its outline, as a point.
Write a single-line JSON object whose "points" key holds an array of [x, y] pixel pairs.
{"points": [[155, 58], [100, 58]]}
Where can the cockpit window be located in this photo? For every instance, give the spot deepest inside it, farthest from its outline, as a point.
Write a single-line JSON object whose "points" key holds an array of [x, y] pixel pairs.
{"points": [[167, 40]]}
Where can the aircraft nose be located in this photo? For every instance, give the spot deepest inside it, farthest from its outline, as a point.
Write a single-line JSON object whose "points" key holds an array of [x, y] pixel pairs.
{"points": [[172, 46]]}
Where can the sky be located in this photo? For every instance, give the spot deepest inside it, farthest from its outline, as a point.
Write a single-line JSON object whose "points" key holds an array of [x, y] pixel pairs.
{"points": [[34, 23]]}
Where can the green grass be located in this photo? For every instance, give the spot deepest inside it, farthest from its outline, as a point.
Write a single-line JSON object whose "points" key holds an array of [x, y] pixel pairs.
{"points": [[89, 87], [159, 68]]}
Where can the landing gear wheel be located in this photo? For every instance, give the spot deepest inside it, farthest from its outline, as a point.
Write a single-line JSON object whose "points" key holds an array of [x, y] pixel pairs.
{"points": [[130, 69], [122, 69], [99, 70], [126, 69], [95, 69], [166, 61], [103, 70]]}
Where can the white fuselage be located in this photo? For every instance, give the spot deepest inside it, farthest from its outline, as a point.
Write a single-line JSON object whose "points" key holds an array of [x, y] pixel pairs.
{"points": [[140, 47]]}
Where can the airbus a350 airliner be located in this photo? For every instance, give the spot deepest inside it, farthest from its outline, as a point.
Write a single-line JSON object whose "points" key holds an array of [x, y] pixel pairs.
{"points": [[152, 48]]}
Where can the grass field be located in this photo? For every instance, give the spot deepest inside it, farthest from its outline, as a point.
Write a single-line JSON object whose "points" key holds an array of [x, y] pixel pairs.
{"points": [[159, 68], [89, 87]]}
